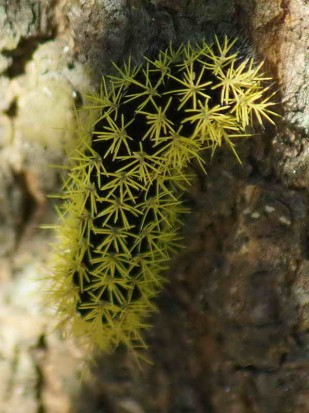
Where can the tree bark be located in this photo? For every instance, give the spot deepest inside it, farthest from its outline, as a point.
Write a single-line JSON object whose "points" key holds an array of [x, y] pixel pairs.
{"points": [[231, 335]]}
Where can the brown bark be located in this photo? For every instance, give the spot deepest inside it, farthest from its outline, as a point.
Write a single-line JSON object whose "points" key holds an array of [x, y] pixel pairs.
{"points": [[232, 332]]}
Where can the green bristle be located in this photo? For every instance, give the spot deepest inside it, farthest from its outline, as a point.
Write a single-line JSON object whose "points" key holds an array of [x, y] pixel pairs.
{"points": [[122, 200]]}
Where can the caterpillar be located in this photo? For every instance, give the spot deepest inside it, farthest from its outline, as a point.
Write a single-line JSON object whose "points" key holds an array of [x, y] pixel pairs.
{"points": [[122, 209]]}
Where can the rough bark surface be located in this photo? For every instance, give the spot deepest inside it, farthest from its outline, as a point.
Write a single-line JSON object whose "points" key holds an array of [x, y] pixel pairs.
{"points": [[232, 332]]}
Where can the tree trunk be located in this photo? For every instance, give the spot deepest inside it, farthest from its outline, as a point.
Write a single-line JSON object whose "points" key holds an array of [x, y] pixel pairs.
{"points": [[231, 334]]}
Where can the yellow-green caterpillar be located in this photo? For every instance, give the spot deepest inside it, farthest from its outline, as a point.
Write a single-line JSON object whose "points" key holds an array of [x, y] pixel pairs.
{"points": [[122, 208]]}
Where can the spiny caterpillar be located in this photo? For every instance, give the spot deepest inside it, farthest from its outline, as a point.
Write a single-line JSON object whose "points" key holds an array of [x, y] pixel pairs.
{"points": [[122, 200]]}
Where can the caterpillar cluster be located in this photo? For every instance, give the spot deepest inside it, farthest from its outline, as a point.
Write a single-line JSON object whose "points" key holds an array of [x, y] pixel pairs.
{"points": [[122, 205]]}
